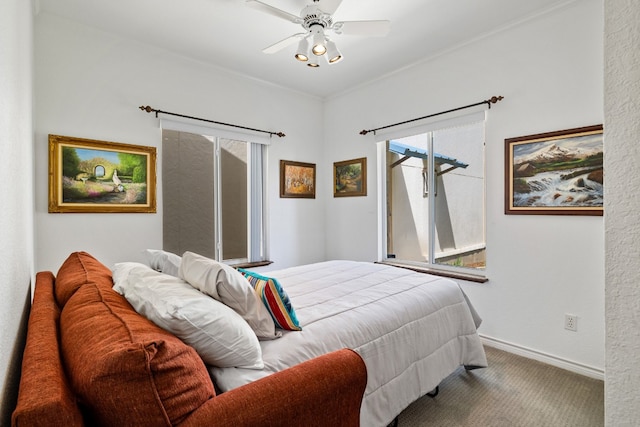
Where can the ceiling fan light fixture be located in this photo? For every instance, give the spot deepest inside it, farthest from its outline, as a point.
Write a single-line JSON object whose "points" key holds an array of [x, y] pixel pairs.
{"points": [[313, 62], [333, 54], [303, 49], [319, 48]]}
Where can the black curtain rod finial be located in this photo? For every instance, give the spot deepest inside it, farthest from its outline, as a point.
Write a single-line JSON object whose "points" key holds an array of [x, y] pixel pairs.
{"points": [[494, 100], [148, 109]]}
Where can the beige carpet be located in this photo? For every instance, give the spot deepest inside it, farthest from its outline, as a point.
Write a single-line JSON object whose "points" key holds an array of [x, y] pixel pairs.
{"points": [[513, 391]]}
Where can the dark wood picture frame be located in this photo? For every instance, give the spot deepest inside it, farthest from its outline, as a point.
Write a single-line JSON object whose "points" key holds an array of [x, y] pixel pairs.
{"points": [[350, 178], [91, 176], [297, 179], [555, 173]]}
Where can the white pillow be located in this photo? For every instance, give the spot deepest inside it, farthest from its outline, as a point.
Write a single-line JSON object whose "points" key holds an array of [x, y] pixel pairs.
{"points": [[163, 261], [228, 286], [220, 335]]}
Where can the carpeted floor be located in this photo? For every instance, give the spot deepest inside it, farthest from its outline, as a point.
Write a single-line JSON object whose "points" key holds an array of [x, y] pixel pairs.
{"points": [[513, 391]]}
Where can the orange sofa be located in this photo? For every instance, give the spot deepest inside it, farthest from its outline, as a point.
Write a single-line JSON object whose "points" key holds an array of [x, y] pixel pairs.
{"points": [[90, 359]]}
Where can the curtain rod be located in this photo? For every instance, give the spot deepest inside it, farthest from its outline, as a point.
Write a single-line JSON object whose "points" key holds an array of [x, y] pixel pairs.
{"points": [[148, 109], [490, 101]]}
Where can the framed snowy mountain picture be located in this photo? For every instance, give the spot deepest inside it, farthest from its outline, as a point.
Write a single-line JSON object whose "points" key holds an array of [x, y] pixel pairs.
{"points": [[555, 173], [89, 176]]}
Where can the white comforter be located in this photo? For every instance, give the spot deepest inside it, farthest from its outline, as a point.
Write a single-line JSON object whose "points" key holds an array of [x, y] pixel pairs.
{"points": [[411, 329]]}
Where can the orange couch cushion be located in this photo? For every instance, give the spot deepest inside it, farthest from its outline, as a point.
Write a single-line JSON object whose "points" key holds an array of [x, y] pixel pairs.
{"points": [[78, 269], [124, 369]]}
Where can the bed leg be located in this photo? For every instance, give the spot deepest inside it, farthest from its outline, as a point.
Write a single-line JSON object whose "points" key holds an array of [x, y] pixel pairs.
{"points": [[393, 423], [434, 393]]}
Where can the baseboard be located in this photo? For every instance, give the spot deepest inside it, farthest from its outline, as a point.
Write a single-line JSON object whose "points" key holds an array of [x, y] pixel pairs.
{"points": [[568, 365]]}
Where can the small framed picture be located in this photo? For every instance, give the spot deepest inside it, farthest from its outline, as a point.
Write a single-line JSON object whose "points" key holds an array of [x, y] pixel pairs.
{"points": [[89, 176], [297, 179], [350, 178], [555, 173]]}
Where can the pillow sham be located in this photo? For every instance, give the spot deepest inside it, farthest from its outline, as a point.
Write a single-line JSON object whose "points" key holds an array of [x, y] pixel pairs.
{"points": [[227, 285], [220, 336], [163, 261], [275, 299]]}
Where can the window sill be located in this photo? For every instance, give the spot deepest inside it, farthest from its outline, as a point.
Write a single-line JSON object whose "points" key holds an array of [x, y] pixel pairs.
{"points": [[443, 273], [251, 264]]}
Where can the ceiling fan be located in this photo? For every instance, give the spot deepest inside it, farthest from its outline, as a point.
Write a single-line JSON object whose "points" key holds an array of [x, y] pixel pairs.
{"points": [[316, 19]]}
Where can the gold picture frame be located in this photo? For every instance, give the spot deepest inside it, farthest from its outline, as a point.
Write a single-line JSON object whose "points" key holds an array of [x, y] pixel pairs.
{"points": [[91, 176], [350, 178], [297, 179], [555, 173]]}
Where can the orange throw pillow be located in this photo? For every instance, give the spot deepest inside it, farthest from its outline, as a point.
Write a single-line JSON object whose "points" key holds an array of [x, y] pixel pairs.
{"points": [[78, 269]]}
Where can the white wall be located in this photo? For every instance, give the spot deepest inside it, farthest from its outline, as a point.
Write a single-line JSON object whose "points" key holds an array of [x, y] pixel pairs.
{"points": [[16, 214], [89, 84], [549, 69], [622, 211]]}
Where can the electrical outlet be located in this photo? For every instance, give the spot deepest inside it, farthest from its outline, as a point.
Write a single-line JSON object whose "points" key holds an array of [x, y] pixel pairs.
{"points": [[571, 322]]}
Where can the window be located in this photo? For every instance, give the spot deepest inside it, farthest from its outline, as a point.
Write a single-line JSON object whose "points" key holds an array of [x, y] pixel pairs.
{"points": [[435, 197], [212, 190]]}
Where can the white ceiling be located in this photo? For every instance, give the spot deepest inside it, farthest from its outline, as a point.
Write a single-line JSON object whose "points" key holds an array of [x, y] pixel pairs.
{"points": [[231, 35]]}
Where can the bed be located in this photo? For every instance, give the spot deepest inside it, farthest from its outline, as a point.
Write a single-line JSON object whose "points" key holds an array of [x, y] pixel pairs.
{"points": [[411, 329]]}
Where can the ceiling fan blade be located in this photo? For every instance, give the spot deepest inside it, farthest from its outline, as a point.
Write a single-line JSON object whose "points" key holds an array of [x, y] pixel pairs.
{"points": [[284, 43], [329, 6], [274, 11], [362, 28]]}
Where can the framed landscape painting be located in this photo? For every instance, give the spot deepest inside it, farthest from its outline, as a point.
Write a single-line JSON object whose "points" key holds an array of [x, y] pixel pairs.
{"points": [[89, 176], [297, 179], [555, 173], [350, 178]]}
